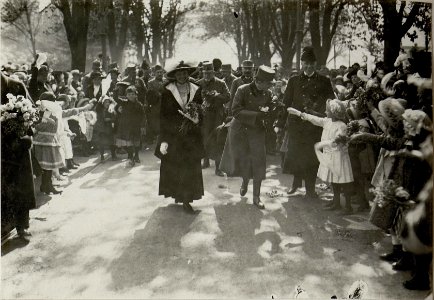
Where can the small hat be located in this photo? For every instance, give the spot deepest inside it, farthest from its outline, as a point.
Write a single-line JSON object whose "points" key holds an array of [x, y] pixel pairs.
{"points": [[337, 109], [265, 74], [75, 72], [227, 67], [247, 64], [207, 67], [131, 66], [49, 96], [308, 54], [392, 109], [43, 68], [145, 65], [180, 67]]}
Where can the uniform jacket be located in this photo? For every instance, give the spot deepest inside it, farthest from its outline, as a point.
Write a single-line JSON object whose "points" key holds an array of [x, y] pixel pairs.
{"points": [[244, 153]]}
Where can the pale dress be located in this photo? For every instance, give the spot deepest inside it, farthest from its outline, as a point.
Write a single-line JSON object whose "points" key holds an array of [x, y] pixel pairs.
{"points": [[335, 165]]}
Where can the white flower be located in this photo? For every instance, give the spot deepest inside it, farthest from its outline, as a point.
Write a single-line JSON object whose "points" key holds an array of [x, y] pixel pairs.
{"points": [[264, 109], [401, 193], [10, 106], [10, 96], [26, 116], [25, 109], [27, 102], [2, 119], [18, 105], [12, 116]]}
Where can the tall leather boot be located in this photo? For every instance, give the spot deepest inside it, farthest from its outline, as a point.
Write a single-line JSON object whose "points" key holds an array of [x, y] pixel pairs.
{"points": [[205, 163], [406, 263], [296, 183], [44, 182], [217, 170], [256, 192]]}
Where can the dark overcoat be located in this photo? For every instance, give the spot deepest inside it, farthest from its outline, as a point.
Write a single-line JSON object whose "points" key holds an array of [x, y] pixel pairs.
{"points": [[214, 113], [306, 94], [130, 120], [244, 153], [180, 169]]}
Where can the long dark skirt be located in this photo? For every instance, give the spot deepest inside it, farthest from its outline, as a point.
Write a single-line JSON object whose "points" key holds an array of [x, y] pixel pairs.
{"points": [[181, 179]]}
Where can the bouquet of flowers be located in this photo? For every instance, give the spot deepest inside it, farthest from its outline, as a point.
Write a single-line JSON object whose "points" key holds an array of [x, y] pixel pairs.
{"points": [[352, 128], [17, 116], [192, 111], [388, 198]]}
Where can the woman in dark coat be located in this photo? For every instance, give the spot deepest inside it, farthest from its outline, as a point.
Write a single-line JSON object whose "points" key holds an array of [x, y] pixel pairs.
{"points": [[244, 153], [180, 151]]}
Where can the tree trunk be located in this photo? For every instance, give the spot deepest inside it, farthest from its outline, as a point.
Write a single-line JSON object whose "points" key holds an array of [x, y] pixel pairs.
{"points": [[392, 36]]}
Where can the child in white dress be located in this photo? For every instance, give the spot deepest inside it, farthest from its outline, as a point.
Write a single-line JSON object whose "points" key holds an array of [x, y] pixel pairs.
{"points": [[335, 165]]}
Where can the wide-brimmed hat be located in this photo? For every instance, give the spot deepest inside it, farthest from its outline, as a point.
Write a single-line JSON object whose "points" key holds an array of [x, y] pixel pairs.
{"points": [[418, 120], [265, 74], [308, 54], [247, 64], [337, 109], [180, 67], [392, 109]]}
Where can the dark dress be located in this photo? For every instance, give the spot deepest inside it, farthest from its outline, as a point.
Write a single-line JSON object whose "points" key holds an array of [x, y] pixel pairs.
{"points": [[103, 128], [130, 121], [180, 170], [244, 152]]}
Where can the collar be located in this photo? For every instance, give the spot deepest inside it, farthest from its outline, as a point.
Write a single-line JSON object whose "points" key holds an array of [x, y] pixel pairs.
{"points": [[314, 75], [174, 90], [255, 91]]}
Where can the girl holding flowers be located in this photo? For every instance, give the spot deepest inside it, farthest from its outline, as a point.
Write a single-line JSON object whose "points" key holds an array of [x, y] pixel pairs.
{"points": [[335, 165]]}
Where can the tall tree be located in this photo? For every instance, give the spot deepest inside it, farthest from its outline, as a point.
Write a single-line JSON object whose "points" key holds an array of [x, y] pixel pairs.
{"points": [[324, 18], [76, 21], [391, 20], [117, 30], [23, 15]]}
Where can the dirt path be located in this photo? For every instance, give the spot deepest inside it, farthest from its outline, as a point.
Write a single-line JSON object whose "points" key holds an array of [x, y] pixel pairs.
{"points": [[110, 236]]}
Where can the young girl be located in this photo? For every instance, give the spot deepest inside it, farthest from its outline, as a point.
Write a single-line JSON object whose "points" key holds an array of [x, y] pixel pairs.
{"points": [[131, 117], [103, 129], [335, 165]]}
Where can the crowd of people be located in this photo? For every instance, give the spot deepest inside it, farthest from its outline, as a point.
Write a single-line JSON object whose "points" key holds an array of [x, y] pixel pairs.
{"points": [[353, 128]]}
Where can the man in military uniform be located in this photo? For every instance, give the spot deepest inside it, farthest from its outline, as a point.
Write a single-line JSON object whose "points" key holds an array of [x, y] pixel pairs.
{"points": [[246, 77], [153, 97], [244, 152], [228, 77], [215, 94], [307, 92]]}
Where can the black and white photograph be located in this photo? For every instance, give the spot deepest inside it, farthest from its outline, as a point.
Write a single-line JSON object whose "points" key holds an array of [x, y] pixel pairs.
{"points": [[216, 149]]}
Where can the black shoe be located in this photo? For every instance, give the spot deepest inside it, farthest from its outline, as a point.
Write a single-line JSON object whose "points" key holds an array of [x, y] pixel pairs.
{"points": [[137, 160], [219, 173], [243, 189], [187, 208], [293, 190], [393, 256], [418, 283], [257, 201], [406, 263], [23, 233], [74, 163], [64, 171]]}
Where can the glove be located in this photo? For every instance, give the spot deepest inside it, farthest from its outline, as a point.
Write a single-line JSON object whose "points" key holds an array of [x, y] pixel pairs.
{"points": [[163, 148], [276, 129]]}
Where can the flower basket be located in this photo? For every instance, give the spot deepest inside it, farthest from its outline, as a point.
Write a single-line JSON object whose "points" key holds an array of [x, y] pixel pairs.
{"points": [[383, 216], [388, 199]]}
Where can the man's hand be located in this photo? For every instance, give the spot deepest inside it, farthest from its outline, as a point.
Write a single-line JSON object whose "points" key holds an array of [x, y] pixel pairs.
{"points": [[277, 129]]}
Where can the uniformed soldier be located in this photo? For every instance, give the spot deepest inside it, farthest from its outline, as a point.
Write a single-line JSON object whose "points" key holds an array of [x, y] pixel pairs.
{"points": [[246, 77], [244, 153], [215, 94]]}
